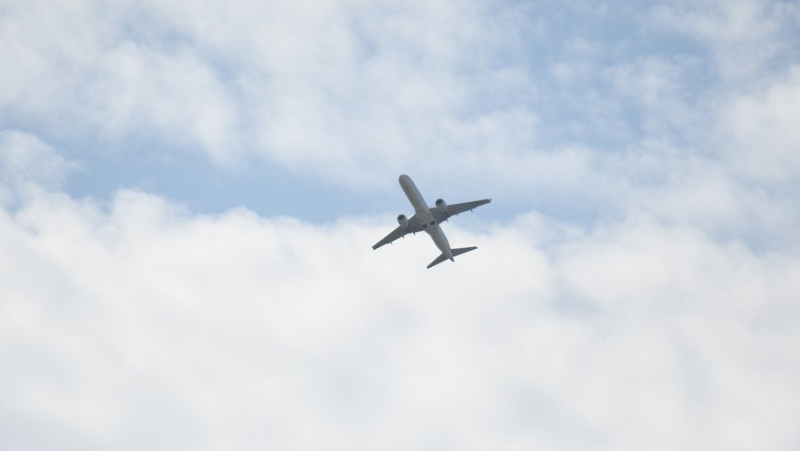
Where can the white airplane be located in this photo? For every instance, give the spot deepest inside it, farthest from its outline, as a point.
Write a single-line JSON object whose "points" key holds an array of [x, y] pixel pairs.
{"points": [[428, 219]]}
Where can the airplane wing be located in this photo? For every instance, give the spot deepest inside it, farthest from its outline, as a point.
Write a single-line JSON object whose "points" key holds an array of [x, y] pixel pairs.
{"points": [[457, 209], [400, 231]]}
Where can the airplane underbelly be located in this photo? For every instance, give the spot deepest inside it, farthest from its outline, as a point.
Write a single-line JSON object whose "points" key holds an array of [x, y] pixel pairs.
{"points": [[440, 239], [425, 219]]}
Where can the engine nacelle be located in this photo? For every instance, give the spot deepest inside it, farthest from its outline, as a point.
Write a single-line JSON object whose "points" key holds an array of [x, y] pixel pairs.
{"points": [[441, 205], [403, 221]]}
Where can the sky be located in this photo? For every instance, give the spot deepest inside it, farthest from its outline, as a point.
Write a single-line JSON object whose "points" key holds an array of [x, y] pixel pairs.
{"points": [[189, 193]]}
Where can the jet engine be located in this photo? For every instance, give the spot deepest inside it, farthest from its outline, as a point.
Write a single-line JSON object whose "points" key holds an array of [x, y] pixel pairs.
{"points": [[403, 221], [441, 205]]}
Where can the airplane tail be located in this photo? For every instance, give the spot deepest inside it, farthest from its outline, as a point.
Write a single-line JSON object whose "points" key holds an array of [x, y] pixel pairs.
{"points": [[455, 252]]}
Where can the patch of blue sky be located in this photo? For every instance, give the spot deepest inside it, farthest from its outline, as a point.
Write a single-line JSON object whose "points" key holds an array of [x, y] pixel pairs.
{"points": [[194, 181], [590, 106]]}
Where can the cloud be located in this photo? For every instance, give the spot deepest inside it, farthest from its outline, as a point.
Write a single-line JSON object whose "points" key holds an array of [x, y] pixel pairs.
{"points": [[140, 324], [176, 95], [26, 160], [745, 37], [762, 135], [339, 89]]}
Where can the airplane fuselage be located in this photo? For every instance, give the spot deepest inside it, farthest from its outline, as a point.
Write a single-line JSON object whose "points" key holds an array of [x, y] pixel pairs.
{"points": [[424, 216]]}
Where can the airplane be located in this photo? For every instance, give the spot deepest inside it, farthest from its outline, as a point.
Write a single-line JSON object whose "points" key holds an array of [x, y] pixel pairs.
{"points": [[428, 220]]}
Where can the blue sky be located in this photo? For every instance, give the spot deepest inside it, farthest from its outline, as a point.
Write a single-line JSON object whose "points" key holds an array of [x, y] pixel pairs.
{"points": [[189, 192]]}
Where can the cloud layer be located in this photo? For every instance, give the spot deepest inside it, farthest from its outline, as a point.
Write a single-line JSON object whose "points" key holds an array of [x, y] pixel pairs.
{"points": [[140, 325]]}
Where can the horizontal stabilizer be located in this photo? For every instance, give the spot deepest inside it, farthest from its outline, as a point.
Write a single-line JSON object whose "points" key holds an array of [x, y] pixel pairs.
{"points": [[462, 250], [455, 252]]}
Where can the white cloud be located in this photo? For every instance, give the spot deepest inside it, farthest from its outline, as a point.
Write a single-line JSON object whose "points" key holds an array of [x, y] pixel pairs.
{"points": [[142, 325], [177, 95], [744, 36], [26, 160], [340, 89], [762, 132]]}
